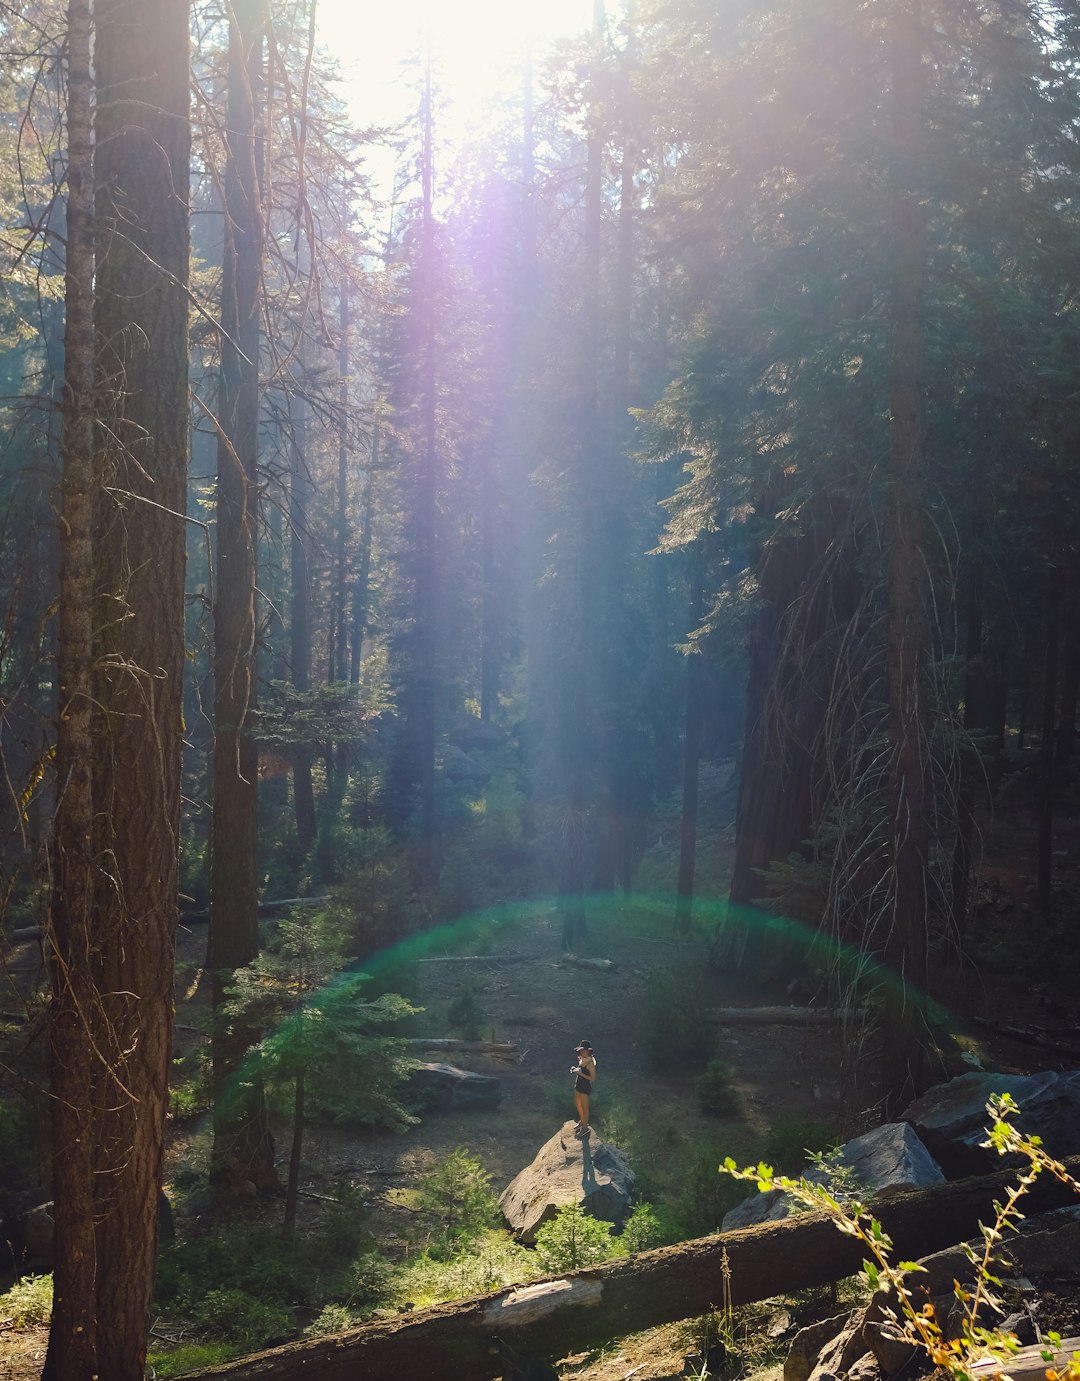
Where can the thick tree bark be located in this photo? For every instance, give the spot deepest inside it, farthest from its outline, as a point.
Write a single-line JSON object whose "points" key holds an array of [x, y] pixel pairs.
{"points": [[684, 902], [69, 938], [300, 614], [1046, 755], [242, 1149], [585, 1308], [908, 632], [965, 796], [140, 315], [425, 517]]}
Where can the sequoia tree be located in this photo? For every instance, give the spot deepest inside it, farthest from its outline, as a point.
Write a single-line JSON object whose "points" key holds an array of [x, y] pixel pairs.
{"points": [[114, 911]]}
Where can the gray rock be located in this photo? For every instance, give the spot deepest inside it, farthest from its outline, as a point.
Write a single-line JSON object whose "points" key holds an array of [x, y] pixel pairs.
{"points": [[445, 1088], [951, 1118], [472, 733], [37, 1236], [459, 767], [889, 1157], [807, 1344], [569, 1170], [838, 1356]]}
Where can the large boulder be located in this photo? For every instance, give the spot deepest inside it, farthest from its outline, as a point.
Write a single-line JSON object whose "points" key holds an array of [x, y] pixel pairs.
{"points": [[460, 767], [951, 1118], [445, 1088], [889, 1157], [569, 1169]]}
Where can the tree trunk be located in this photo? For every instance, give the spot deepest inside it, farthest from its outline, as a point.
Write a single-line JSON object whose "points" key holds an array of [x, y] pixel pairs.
{"points": [[292, 1188], [684, 903], [242, 1149], [1070, 681], [69, 939], [140, 316], [908, 633], [550, 1319], [969, 763], [1046, 753], [300, 614], [426, 513]]}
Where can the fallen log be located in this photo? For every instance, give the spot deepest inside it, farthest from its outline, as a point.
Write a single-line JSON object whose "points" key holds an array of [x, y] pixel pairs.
{"points": [[450, 1342], [602, 965], [505, 1050], [1031, 1035], [1029, 1363], [477, 958], [266, 909], [782, 1016]]}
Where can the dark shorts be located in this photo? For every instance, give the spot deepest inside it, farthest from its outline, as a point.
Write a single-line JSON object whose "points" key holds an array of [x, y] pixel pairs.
{"points": [[582, 1085]]}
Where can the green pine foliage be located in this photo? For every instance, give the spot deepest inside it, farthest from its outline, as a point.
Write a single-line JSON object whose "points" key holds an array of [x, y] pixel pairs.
{"points": [[573, 1239], [458, 1199], [320, 1026]]}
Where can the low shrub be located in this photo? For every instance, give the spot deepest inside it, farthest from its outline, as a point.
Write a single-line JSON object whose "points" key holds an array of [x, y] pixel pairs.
{"points": [[643, 1230], [238, 1317], [572, 1239], [716, 1093], [493, 1261], [28, 1302]]}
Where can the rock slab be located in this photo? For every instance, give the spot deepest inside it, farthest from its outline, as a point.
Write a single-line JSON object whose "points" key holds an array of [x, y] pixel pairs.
{"points": [[951, 1118], [890, 1156], [569, 1170], [445, 1088]]}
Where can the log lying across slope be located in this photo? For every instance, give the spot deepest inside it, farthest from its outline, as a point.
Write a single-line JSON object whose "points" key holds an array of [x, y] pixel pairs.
{"points": [[450, 1342]]}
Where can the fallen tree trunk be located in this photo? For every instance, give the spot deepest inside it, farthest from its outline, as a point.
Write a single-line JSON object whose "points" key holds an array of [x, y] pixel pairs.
{"points": [[266, 909], [1029, 1364], [1031, 1035], [782, 1016], [450, 1342], [504, 1049], [601, 965]]}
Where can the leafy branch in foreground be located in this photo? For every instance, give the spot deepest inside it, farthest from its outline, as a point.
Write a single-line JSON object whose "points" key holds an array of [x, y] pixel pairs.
{"points": [[918, 1323]]}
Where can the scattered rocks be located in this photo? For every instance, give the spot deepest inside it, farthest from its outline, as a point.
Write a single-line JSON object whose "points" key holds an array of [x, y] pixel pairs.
{"points": [[569, 1169]]}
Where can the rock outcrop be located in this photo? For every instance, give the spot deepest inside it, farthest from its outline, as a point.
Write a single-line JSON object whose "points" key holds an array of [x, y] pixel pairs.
{"points": [[445, 1088], [888, 1157], [569, 1170], [951, 1118]]}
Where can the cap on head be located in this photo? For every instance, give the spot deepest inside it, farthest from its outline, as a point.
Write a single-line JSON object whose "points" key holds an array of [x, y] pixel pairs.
{"points": [[583, 1045]]}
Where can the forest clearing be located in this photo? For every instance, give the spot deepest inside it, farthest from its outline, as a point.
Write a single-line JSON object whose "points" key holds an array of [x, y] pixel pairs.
{"points": [[539, 668]]}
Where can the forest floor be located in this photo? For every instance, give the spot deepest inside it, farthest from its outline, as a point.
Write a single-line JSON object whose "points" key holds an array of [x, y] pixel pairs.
{"points": [[787, 1079]]}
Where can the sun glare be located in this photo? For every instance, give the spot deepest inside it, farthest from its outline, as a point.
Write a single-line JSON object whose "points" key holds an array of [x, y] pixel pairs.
{"points": [[475, 44]]}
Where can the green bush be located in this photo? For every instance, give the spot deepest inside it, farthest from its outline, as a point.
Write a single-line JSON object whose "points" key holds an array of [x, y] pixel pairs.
{"points": [[572, 1239], [716, 1094], [189, 1357], [643, 1230], [457, 1195], [465, 1012], [492, 1262], [333, 1318], [239, 1317], [371, 1282], [29, 1301]]}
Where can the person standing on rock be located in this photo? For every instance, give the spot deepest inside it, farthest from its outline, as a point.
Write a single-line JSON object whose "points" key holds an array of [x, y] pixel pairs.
{"points": [[585, 1069]]}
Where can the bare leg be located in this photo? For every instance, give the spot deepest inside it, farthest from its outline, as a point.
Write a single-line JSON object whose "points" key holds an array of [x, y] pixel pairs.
{"points": [[581, 1103]]}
